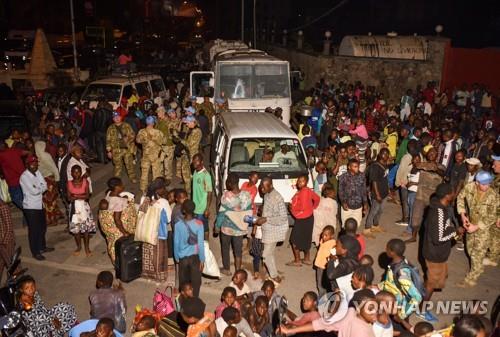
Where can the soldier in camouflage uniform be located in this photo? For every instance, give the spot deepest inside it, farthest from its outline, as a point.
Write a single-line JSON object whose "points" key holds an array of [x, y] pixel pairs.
{"points": [[167, 125], [209, 109], [152, 141], [479, 206], [494, 255], [120, 146], [190, 144]]}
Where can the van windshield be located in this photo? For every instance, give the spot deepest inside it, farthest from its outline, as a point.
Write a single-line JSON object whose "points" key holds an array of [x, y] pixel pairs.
{"points": [[110, 91], [267, 155]]}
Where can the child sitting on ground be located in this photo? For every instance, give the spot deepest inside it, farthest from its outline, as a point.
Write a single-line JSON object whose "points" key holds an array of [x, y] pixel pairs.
{"points": [[239, 283], [230, 331], [351, 227], [386, 307], [327, 244], [309, 305], [366, 260], [423, 329], [104, 328], [228, 299], [201, 323], [185, 291], [258, 317], [108, 301], [146, 327]]}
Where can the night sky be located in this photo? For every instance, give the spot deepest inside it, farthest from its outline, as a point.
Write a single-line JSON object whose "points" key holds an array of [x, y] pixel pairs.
{"points": [[474, 24]]}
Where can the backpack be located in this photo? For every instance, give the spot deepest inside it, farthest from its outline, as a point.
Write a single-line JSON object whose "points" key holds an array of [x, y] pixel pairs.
{"points": [[415, 278]]}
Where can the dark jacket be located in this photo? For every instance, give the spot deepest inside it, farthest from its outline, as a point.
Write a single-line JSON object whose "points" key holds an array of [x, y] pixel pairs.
{"points": [[439, 232], [102, 119]]}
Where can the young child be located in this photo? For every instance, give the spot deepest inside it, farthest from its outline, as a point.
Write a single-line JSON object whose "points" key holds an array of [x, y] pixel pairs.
{"points": [[146, 327], [230, 331], [309, 305], [180, 196], [422, 329], [366, 260], [52, 212], [321, 177], [351, 227], [326, 212], [258, 317], [108, 301], [228, 299], [104, 328], [185, 291], [251, 187], [201, 323], [386, 307], [238, 282], [326, 246], [413, 178]]}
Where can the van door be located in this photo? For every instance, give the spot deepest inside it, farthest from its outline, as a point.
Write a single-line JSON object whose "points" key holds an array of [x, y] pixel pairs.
{"points": [[201, 84], [220, 167]]}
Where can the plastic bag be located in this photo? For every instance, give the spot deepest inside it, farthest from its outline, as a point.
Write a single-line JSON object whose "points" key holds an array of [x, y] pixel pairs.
{"points": [[211, 268]]}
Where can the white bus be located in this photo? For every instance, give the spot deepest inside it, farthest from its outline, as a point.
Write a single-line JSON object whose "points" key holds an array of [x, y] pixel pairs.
{"points": [[250, 79]]}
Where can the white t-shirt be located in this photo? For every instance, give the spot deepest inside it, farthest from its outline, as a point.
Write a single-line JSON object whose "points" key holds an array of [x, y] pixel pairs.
{"points": [[241, 292], [280, 155], [381, 330]]}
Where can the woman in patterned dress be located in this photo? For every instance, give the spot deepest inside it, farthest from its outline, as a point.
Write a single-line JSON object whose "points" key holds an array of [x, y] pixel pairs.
{"points": [[155, 257], [117, 215], [39, 319]]}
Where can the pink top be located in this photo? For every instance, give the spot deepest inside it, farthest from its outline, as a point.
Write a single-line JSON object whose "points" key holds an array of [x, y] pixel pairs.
{"points": [[220, 308], [360, 131], [78, 190], [306, 318], [349, 326]]}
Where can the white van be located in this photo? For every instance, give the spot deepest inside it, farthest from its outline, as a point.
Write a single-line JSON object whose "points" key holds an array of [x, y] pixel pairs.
{"points": [[240, 140], [116, 87]]}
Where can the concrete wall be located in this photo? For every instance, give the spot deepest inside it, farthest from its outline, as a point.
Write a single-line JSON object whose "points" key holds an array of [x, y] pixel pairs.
{"points": [[398, 75]]}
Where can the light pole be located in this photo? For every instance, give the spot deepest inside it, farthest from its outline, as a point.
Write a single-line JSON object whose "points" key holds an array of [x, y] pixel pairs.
{"points": [[242, 20], [326, 44], [75, 58], [254, 24]]}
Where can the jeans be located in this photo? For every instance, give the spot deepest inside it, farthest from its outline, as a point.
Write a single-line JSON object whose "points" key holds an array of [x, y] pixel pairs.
{"points": [[373, 217], [226, 241], [268, 256], [204, 220], [256, 263], [37, 227], [189, 271], [403, 194], [411, 200], [319, 281], [16, 194]]}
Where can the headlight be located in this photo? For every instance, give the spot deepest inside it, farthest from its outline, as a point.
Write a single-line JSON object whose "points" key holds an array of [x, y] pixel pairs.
{"points": [[6, 57]]}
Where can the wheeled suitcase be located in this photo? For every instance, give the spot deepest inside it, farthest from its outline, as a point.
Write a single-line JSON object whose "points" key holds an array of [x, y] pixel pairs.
{"points": [[172, 325], [128, 264]]}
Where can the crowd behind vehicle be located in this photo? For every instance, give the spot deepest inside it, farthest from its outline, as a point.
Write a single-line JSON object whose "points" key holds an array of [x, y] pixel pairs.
{"points": [[435, 154]]}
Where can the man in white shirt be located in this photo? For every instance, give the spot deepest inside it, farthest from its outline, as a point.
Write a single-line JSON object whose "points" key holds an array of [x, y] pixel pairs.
{"points": [[285, 156], [33, 185]]}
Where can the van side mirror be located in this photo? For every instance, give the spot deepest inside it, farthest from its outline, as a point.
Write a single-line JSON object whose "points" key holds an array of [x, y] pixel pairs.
{"points": [[211, 82]]}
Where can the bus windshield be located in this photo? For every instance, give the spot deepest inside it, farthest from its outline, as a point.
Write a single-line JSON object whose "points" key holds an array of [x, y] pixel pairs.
{"points": [[254, 81], [267, 155]]}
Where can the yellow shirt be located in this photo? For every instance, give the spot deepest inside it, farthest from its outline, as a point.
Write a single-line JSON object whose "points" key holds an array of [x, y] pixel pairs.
{"points": [[392, 144], [324, 253]]}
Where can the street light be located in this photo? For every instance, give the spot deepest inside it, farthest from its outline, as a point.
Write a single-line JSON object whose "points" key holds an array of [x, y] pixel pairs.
{"points": [[300, 39], [439, 29], [73, 35], [326, 44]]}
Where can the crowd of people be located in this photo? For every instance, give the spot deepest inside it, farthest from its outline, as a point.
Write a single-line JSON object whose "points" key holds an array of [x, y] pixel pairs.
{"points": [[435, 155]]}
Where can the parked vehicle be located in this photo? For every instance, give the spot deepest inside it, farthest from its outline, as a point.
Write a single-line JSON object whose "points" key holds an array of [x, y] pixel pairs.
{"points": [[115, 88]]}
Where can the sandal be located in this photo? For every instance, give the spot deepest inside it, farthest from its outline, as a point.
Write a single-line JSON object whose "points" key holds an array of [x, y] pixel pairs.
{"points": [[307, 262], [293, 264]]}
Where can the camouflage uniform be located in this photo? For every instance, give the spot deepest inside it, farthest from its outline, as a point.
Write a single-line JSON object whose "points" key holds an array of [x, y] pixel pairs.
{"points": [[484, 212], [120, 141], [209, 109], [191, 147], [494, 245], [165, 125], [152, 141]]}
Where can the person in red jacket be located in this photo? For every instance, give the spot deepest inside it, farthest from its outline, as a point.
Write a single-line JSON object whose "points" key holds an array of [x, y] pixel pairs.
{"points": [[304, 202]]}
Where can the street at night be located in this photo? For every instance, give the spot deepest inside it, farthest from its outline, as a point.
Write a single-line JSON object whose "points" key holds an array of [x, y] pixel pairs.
{"points": [[223, 168]]}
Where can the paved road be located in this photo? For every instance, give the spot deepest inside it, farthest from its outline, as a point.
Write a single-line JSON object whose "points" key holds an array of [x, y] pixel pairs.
{"points": [[63, 277]]}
